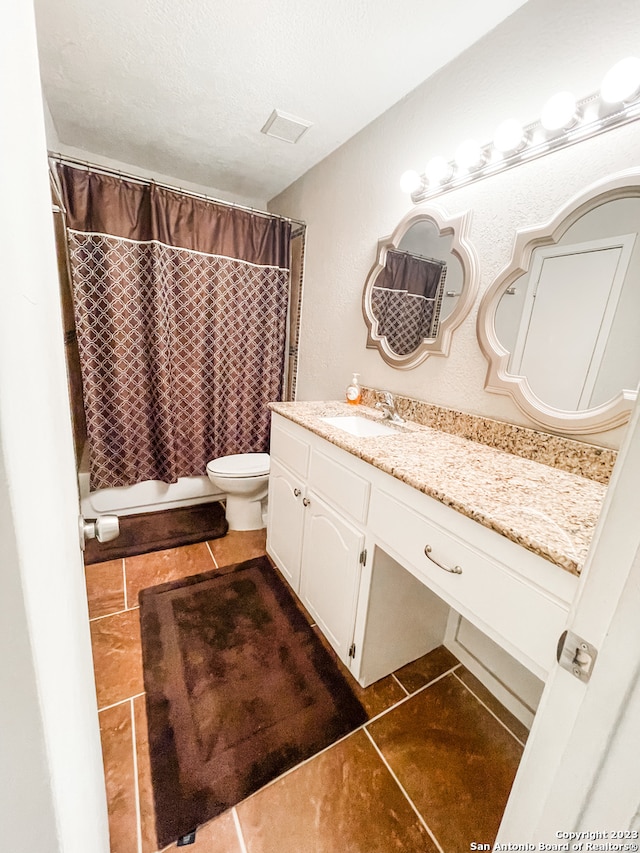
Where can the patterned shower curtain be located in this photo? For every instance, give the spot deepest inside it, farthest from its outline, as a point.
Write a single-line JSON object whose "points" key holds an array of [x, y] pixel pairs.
{"points": [[406, 300], [181, 308]]}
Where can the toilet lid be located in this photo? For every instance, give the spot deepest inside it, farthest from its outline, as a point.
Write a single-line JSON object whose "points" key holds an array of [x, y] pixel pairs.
{"points": [[240, 465]]}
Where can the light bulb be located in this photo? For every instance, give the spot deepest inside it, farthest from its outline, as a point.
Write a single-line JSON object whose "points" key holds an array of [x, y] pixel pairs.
{"points": [[559, 112], [622, 81], [469, 155], [509, 136], [410, 181], [438, 171]]}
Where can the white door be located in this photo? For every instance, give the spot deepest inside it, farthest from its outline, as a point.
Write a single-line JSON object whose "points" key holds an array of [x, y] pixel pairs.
{"points": [[581, 770], [331, 574], [568, 310]]}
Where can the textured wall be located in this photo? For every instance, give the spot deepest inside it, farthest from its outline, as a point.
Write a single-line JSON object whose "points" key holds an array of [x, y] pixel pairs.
{"points": [[352, 197]]}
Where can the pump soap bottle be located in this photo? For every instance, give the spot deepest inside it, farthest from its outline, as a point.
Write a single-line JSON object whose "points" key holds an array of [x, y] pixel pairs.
{"points": [[354, 393]]}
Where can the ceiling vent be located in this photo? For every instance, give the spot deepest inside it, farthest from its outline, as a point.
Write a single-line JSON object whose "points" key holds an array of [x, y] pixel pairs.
{"points": [[285, 126]]}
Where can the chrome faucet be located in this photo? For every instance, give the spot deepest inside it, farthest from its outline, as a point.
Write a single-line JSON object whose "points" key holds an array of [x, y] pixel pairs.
{"points": [[388, 408]]}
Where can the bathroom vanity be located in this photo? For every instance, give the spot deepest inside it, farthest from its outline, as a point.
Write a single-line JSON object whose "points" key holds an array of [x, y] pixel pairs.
{"points": [[382, 536]]}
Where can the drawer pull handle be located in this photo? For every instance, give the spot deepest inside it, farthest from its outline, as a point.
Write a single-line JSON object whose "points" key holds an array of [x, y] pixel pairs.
{"points": [[306, 501], [456, 570], [297, 493]]}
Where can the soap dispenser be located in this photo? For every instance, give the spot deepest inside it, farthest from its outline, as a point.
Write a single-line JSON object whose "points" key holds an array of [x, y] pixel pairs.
{"points": [[354, 392]]}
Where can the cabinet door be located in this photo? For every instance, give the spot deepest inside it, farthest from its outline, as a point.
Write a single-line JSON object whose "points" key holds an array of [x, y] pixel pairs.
{"points": [[331, 573], [285, 522]]}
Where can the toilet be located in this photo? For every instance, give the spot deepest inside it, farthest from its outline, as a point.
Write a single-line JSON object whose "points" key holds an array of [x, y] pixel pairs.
{"points": [[244, 478]]}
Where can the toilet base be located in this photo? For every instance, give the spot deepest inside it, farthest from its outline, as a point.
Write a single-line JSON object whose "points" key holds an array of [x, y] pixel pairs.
{"points": [[243, 514]]}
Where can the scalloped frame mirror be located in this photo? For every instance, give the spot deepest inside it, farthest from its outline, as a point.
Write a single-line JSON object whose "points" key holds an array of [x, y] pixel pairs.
{"points": [[601, 248], [450, 233]]}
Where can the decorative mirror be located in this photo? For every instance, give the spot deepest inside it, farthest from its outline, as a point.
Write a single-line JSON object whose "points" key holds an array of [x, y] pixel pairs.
{"points": [[559, 326], [421, 287]]}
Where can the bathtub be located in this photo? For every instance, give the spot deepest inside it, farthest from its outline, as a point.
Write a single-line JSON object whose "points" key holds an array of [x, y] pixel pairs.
{"points": [[149, 496]]}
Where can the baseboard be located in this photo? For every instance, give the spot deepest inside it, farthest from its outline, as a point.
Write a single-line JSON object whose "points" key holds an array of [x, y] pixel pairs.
{"points": [[511, 683]]}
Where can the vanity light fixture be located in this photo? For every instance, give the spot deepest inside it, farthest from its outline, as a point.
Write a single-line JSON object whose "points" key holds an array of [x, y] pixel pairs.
{"points": [[470, 155], [509, 137], [622, 82], [560, 112], [564, 121], [410, 181], [438, 171]]}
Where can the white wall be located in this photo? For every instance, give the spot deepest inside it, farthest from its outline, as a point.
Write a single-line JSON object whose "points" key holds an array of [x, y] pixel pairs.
{"points": [[51, 768], [352, 197]]}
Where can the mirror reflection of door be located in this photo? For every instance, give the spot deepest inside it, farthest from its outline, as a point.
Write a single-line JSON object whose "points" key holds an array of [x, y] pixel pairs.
{"points": [[567, 313]]}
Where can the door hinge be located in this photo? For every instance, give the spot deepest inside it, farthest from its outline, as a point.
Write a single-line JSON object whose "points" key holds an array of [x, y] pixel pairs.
{"points": [[363, 557], [352, 650], [576, 655]]}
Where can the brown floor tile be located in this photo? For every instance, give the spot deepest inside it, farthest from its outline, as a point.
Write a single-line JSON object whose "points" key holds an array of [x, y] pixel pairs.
{"points": [[455, 761], [117, 753], [145, 791], [512, 723], [342, 801], [105, 588], [415, 675], [217, 836], [376, 698], [117, 657], [161, 566], [238, 545]]}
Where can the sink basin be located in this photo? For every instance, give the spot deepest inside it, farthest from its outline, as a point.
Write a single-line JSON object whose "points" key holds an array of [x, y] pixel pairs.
{"points": [[362, 427]]}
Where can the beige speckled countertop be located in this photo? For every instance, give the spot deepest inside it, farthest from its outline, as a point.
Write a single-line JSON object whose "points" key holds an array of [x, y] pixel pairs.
{"points": [[546, 510]]}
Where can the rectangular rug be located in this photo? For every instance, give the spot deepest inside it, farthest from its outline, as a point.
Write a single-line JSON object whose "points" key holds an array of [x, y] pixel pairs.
{"points": [[238, 688], [154, 531]]}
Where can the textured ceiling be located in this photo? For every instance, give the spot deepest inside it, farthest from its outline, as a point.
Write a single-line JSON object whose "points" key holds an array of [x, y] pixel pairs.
{"points": [[182, 87]]}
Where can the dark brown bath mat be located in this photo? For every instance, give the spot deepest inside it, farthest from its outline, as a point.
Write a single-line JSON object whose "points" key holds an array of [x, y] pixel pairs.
{"points": [[153, 531], [238, 690]]}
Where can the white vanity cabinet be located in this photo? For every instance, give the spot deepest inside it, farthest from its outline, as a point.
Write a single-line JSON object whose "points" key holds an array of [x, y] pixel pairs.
{"points": [[516, 598], [380, 565], [310, 537], [331, 553], [286, 521]]}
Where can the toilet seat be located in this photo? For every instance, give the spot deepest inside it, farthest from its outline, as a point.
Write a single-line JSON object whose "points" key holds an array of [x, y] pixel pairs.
{"points": [[240, 465]]}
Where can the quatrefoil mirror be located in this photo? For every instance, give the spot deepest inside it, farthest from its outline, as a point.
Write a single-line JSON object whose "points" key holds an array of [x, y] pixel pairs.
{"points": [[420, 288], [559, 326]]}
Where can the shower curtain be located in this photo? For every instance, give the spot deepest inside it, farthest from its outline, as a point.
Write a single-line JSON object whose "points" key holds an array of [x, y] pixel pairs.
{"points": [[181, 309], [406, 299]]}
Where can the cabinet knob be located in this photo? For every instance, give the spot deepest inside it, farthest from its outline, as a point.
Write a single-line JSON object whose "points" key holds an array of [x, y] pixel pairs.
{"points": [[306, 501], [297, 492], [456, 570]]}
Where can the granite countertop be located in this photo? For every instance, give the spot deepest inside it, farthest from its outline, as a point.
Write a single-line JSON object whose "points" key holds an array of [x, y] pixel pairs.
{"points": [[548, 511]]}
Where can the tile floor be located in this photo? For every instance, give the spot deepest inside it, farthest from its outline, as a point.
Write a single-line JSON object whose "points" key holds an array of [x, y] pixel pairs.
{"points": [[431, 770]]}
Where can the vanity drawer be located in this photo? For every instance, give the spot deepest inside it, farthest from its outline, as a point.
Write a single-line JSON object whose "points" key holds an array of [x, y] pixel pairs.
{"points": [[289, 449], [519, 616], [339, 486]]}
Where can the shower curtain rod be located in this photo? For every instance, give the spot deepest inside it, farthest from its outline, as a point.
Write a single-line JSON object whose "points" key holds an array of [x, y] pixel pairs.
{"points": [[117, 173]]}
